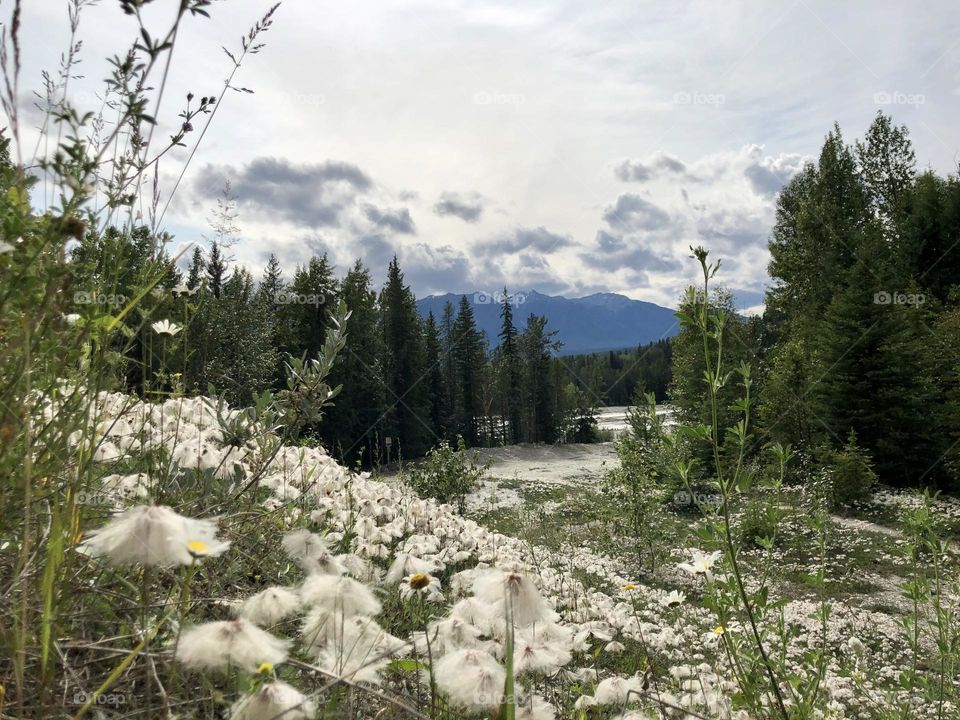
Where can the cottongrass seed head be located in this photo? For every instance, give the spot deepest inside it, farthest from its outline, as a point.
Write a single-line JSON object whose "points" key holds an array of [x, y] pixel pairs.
{"points": [[471, 678], [154, 535], [274, 700], [224, 644], [339, 594], [270, 606]]}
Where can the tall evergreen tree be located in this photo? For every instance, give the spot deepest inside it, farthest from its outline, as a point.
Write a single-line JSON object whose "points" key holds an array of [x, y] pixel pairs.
{"points": [[403, 366], [537, 345], [469, 358], [216, 269], [197, 269], [307, 306], [510, 371], [353, 423], [436, 391]]}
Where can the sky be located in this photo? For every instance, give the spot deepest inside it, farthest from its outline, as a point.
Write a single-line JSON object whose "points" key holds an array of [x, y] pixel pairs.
{"points": [[566, 146]]}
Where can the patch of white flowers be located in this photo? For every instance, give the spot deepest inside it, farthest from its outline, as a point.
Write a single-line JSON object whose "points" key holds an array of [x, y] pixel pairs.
{"points": [[476, 580]]}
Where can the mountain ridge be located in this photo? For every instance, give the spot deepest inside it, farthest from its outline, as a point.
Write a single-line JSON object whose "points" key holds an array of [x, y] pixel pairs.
{"points": [[592, 323]]}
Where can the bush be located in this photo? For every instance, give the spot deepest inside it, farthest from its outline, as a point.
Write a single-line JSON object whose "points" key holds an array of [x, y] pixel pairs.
{"points": [[851, 473], [448, 475]]}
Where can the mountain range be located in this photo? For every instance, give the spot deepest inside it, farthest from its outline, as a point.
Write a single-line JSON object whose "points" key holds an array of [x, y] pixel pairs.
{"points": [[594, 323]]}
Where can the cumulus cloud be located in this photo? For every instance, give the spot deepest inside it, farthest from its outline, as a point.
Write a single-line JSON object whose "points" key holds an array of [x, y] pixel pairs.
{"points": [[310, 194], [632, 212], [467, 208], [399, 220], [658, 164], [538, 239]]}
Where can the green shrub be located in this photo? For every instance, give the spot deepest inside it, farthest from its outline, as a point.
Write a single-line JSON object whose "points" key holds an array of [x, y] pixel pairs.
{"points": [[448, 475], [851, 473]]}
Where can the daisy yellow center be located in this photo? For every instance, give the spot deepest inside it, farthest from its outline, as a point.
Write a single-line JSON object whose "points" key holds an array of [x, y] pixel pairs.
{"points": [[719, 630], [198, 547], [265, 668], [418, 581]]}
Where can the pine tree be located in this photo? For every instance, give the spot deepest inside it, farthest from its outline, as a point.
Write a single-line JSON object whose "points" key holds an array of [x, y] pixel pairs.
{"points": [[408, 416], [306, 311], [433, 351], [352, 424], [216, 269], [537, 345], [510, 371], [469, 358], [197, 268], [450, 379]]}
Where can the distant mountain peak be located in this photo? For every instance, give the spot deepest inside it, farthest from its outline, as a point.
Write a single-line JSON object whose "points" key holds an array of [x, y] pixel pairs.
{"points": [[593, 323]]}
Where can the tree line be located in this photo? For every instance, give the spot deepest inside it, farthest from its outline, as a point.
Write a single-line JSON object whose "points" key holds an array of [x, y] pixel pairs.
{"points": [[408, 383], [859, 344]]}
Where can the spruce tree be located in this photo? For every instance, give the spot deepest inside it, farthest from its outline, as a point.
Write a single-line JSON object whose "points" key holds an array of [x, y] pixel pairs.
{"points": [[469, 358], [197, 269], [408, 416], [509, 370], [216, 269]]}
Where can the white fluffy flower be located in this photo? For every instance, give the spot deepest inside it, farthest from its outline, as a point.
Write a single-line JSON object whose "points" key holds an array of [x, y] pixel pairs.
{"points": [[229, 643], [516, 592], [534, 708], [355, 648], [535, 655], [471, 678], [405, 565], [272, 700], [155, 535], [339, 594], [312, 553], [618, 690], [270, 606]]}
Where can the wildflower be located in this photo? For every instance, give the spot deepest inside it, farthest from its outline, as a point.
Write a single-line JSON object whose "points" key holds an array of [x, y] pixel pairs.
{"points": [[421, 585], [165, 327], [265, 668], [339, 593], [614, 647], [270, 606], [471, 678], [404, 565], [629, 587], [537, 655], [311, 552], [355, 648], [534, 708], [517, 591], [719, 630], [701, 563], [618, 690], [274, 699], [673, 599], [230, 643], [71, 318], [154, 535]]}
